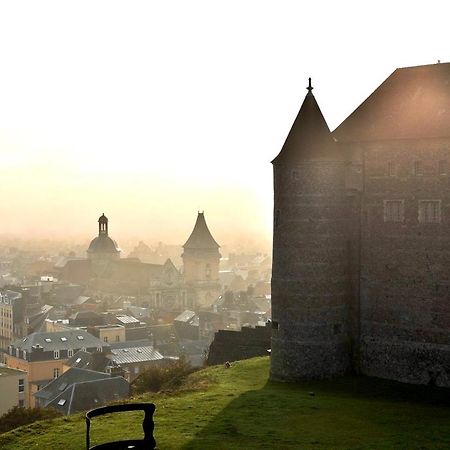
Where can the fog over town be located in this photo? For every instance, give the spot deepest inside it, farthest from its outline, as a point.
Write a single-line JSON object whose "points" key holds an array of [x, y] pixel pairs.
{"points": [[233, 217]]}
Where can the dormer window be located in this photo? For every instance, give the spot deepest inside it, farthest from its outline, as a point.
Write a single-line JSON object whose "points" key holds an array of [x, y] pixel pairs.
{"points": [[56, 354]]}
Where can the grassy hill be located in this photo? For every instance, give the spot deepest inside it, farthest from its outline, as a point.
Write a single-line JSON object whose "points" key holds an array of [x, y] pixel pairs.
{"points": [[238, 408]]}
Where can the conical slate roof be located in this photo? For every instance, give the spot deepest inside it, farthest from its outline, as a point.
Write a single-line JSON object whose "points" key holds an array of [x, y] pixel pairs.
{"points": [[309, 138], [201, 237]]}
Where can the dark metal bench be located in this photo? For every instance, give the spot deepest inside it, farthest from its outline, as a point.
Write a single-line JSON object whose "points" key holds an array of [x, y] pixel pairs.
{"points": [[132, 444]]}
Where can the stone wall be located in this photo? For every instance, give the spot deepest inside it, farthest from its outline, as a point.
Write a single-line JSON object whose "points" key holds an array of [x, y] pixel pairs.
{"points": [[405, 265], [236, 345], [311, 283]]}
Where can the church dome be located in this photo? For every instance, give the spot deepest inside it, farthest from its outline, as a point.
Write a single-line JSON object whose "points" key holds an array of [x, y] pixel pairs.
{"points": [[103, 244]]}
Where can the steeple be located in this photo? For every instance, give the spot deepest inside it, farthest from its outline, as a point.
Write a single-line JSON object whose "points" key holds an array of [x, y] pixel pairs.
{"points": [[201, 238], [309, 138], [103, 225]]}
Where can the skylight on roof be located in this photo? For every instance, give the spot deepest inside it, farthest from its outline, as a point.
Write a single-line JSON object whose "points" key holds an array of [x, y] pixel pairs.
{"points": [[62, 386], [80, 338], [47, 340], [63, 338], [62, 402], [77, 360]]}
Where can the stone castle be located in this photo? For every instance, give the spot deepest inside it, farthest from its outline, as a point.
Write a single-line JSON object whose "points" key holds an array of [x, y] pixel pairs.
{"points": [[361, 245]]}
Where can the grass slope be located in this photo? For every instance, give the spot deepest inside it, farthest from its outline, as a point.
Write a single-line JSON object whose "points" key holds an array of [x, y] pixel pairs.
{"points": [[237, 408]]}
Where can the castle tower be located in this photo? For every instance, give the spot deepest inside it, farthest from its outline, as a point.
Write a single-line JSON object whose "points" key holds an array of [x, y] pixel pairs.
{"points": [[201, 259], [103, 247], [310, 279]]}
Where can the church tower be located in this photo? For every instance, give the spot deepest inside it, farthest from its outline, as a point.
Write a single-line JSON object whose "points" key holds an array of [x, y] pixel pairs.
{"points": [[201, 259], [310, 274]]}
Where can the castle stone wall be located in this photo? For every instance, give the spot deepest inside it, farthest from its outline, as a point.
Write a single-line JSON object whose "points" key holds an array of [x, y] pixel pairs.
{"points": [[310, 278], [405, 266]]}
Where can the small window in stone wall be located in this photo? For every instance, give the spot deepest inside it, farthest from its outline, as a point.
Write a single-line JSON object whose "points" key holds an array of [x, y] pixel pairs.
{"points": [[394, 211], [418, 168], [392, 169], [429, 211], [442, 167]]}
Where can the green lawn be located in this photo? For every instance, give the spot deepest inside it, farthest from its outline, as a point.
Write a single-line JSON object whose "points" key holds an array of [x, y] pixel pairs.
{"points": [[238, 408]]}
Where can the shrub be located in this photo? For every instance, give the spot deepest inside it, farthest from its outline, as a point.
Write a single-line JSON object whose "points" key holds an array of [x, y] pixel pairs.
{"points": [[18, 416], [156, 378]]}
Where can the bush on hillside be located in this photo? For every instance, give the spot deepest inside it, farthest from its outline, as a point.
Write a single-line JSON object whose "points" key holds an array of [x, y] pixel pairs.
{"points": [[154, 379], [18, 416]]}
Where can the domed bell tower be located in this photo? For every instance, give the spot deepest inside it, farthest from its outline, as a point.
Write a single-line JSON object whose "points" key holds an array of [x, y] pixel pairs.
{"points": [[310, 279]]}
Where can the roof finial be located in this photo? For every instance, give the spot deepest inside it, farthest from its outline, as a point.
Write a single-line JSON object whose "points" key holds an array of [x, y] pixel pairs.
{"points": [[310, 88]]}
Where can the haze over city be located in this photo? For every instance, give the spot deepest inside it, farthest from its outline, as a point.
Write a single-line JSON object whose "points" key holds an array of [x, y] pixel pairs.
{"points": [[153, 111]]}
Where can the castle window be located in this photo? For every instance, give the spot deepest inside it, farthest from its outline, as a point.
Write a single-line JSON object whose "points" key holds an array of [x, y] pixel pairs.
{"points": [[70, 352], [429, 211], [55, 372], [418, 168], [392, 169], [394, 210], [442, 167], [21, 385]]}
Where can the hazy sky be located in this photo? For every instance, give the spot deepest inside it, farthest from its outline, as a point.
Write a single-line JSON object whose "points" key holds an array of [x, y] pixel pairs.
{"points": [[149, 111]]}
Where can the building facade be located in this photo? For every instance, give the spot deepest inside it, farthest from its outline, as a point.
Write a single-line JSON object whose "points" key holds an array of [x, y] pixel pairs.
{"points": [[13, 389], [361, 268], [42, 355]]}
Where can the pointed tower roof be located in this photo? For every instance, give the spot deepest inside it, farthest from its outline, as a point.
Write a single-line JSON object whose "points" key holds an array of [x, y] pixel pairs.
{"points": [[201, 238], [309, 138]]}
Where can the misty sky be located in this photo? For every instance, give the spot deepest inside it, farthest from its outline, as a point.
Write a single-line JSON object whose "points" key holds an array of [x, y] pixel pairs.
{"points": [[149, 111]]}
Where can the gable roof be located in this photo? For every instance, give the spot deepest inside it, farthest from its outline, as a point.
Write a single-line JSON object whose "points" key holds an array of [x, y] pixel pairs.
{"points": [[412, 103], [59, 340], [309, 138], [63, 382], [135, 355], [97, 361], [201, 238], [85, 395]]}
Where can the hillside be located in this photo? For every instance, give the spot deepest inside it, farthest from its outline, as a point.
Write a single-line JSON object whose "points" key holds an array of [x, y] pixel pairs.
{"points": [[237, 408]]}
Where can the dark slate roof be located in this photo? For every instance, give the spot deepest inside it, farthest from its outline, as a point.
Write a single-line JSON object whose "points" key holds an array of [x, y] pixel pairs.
{"points": [[60, 340], [201, 237], [63, 382], [189, 317], [309, 138], [412, 103], [103, 244], [132, 355], [86, 395], [97, 361]]}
